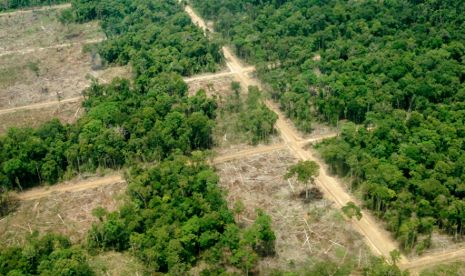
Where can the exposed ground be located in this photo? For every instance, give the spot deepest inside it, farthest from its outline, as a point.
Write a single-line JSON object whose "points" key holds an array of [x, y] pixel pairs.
{"points": [[43, 76], [219, 86], [43, 68], [66, 112], [116, 264]]}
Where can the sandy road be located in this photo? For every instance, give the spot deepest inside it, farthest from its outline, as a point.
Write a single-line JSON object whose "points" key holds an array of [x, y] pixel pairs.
{"points": [[33, 9], [415, 266], [40, 192], [40, 105]]}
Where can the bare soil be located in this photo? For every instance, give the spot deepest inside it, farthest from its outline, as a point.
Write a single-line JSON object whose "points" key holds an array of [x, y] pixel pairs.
{"points": [[218, 87], [43, 68], [68, 213], [44, 76]]}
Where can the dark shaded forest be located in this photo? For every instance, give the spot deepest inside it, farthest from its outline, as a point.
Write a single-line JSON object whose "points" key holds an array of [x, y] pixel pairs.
{"points": [[395, 66]]}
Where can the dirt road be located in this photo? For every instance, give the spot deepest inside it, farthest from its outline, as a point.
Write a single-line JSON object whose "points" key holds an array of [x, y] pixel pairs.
{"points": [[39, 105], [248, 152], [70, 187], [75, 186], [377, 238], [415, 266], [54, 7]]}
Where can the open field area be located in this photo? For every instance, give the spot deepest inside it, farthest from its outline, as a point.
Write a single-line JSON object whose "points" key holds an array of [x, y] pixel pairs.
{"points": [[42, 63], [43, 76], [117, 264], [214, 87]]}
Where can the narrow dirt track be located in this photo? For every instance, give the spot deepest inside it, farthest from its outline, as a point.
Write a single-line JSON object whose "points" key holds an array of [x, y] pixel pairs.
{"points": [[214, 76], [40, 192], [415, 266], [318, 138], [54, 7], [39, 105], [76, 186], [248, 152], [377, 238]]}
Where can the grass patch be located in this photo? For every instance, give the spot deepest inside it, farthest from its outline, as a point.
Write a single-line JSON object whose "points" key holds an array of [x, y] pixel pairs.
{"points": [[116, 264]]}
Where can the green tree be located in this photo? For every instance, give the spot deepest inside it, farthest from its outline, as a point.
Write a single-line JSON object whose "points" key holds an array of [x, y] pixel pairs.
{"points": [[305, 172], [351, 210]]}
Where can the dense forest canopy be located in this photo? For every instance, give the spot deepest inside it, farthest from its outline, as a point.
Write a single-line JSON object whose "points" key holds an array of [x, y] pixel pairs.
{"points": [[155, 36], [6, 5], [396, 65]]}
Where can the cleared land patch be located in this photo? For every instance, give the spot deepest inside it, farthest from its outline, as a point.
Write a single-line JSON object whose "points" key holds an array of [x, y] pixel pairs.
{"points": [[116, 264], [43, 76], [66, 113], [68, 213], [306, 233], [42, 61]]}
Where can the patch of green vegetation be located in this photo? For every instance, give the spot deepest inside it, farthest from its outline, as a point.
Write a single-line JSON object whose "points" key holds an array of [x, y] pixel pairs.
{"points": [[116, 264], [34, 67], [10, 75]]}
